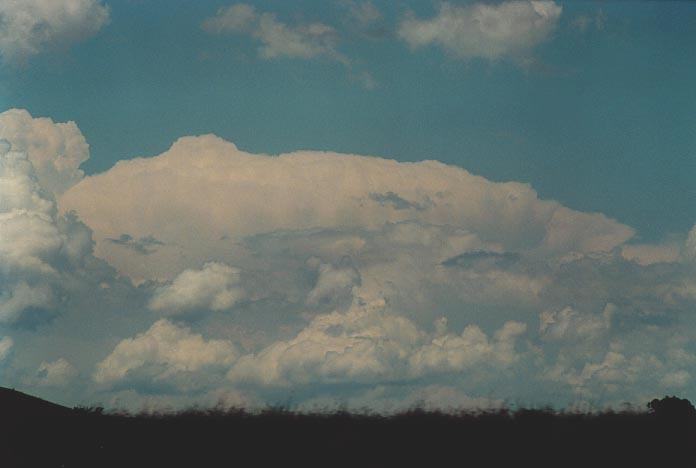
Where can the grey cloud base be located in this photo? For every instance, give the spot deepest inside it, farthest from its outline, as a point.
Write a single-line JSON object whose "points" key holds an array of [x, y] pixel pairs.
{"points": [[325, 279]]}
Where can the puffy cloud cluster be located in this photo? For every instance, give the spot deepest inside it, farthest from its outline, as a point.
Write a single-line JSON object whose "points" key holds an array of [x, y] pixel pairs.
{"points": [[30, 27], [163, 351], [368, 345], [37, 246], [278, 39], [214, 287], [511, 29], [56, 150]]}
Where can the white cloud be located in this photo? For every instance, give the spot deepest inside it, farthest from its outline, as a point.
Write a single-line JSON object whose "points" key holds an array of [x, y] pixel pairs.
{"points": [[233, 19], [511, 29], [30, 27], [214, 287], [165, 349], [456, 353], [55, 149], [57, 373], [278, 39], [228, 194], [36, 245]]}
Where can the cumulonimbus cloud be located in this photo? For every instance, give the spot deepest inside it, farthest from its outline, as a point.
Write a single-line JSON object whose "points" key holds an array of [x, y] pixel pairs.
{"points": [[221, 192]]}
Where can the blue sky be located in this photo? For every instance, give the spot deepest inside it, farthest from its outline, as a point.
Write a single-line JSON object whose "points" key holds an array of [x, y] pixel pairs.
{"points": [[348, 202], [602, 123]]}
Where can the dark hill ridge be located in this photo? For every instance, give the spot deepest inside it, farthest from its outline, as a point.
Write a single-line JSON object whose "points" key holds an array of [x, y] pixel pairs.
{"points": [[36, 433], [14, 404]]}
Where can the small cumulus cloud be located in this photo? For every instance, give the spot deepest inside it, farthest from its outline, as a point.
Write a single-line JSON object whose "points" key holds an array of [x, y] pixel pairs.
{"points": [[31, 27], [214, 287], [164, 350], [57, 373], [508, 30]]}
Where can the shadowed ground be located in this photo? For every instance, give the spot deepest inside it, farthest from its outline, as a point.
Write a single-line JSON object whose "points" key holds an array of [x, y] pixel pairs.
{"points": [[35, 433]]}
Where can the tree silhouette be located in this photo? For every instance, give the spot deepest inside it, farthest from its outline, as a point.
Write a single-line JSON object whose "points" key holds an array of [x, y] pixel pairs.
{"points": [[672, 407]]}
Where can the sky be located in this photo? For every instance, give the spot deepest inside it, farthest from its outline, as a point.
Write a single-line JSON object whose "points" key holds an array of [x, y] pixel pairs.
{"points": [[362, 203]]}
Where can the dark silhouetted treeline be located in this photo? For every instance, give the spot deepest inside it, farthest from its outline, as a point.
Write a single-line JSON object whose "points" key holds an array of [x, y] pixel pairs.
{"points": [[35, 433]]}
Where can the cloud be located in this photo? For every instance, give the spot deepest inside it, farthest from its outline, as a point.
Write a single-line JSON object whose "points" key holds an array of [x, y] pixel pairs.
{"points": [[209, 183], [648, 254], [509, 30], [164, 350], [37, 246], [344, 287], [214, 287], [363, 14], [303, 41], [6, 344], [333, 284], [58, 373], [368, 345], [30, 27], [56, 150], [568, 324]]}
